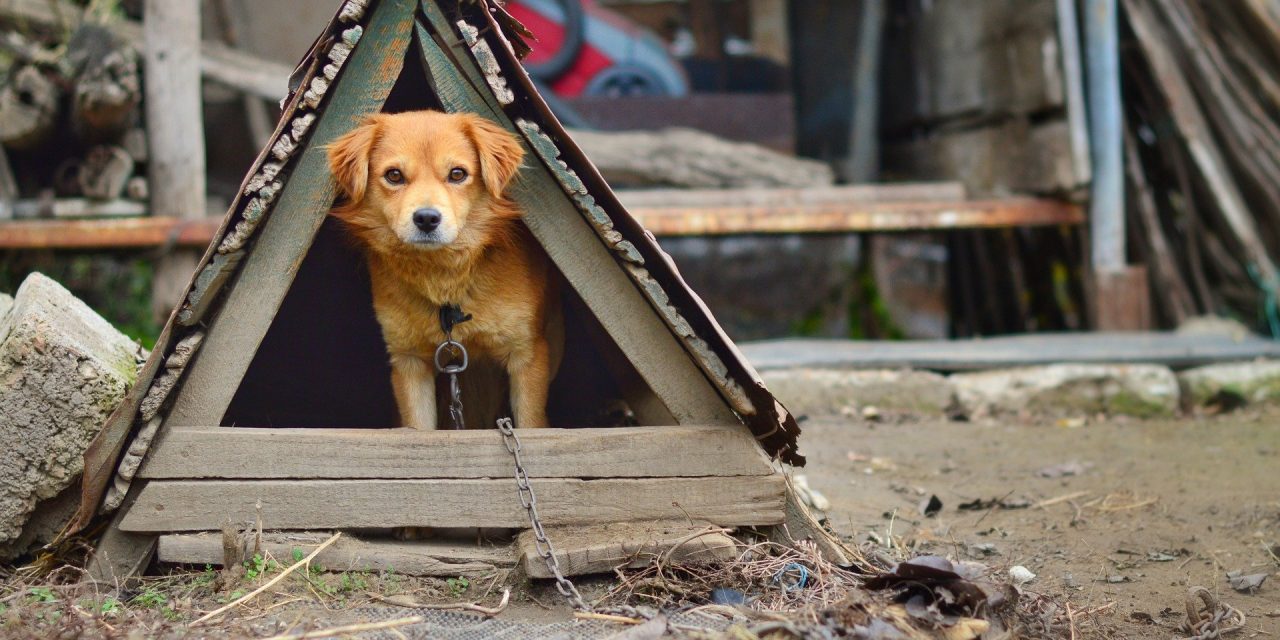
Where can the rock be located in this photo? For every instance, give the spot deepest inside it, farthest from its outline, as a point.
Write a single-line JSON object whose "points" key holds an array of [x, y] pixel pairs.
{"points": [[830, 392], [63, 370], [693, 159], [1231, 384], [1070, 389]]}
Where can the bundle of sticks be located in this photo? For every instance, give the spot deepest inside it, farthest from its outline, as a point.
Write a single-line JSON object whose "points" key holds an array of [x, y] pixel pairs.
{"points": [[1202, 98]]}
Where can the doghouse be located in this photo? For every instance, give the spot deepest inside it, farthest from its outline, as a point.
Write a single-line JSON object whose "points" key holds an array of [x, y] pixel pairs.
{"points": [[268, 396]]}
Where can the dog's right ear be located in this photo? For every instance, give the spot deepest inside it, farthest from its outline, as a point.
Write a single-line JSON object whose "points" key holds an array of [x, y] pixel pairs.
{"points": [[349, 158]]}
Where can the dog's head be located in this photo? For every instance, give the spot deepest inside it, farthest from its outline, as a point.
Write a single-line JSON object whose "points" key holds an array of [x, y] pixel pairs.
{"points": [[426, 178]]}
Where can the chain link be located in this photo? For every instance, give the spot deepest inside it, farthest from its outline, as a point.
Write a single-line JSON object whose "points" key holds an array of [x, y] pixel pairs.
{"points": [[530, 504], [451, 350]]}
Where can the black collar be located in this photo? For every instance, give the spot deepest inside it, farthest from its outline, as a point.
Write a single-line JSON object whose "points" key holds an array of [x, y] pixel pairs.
{"points": [[451, 315]]}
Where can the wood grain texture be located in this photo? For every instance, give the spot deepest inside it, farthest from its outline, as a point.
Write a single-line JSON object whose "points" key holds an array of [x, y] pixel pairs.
{"points": [[285, 237], [350, 553], [633, 452], [576, 249], [602, 548], [203, 505]]}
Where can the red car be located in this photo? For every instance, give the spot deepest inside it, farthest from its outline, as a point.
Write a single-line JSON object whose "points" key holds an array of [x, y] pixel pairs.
{"points": [[585, 50]]}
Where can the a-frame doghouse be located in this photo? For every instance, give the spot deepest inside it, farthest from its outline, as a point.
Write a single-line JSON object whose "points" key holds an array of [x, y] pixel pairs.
{"points": [[264, 394]]}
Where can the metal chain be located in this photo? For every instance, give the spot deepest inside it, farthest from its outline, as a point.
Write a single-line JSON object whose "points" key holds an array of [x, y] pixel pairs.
{"points": [[530, 504], [452, 350]]}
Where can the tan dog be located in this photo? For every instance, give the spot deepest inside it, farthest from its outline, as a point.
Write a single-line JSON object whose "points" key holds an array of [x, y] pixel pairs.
{"points": [[425, 198]]}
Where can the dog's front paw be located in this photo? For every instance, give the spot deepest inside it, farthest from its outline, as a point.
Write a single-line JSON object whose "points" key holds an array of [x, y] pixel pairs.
{"points": [[411, 533]]}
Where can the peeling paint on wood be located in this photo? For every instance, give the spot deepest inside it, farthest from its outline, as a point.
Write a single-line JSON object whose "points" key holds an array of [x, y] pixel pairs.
{"points": [[315, 93], [263, 177], [488, 64], [352, 11], [300, 126], [283, 148], [207, 285]]}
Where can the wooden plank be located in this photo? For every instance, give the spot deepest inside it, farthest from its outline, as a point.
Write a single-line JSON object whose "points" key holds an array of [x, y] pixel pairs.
{"points": [[669, 219], [603, 548], [121, 555], [647, 199], [630, 452], [576, 250], [127, 233], [854, 217], [1121, 299], [351, 553], [285, 237], [1192, 124], [1167, 348], [203, 505]]}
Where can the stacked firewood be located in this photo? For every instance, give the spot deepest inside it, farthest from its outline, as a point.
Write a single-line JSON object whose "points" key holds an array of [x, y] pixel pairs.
{"points": [[70, 122], [1202, 98]]}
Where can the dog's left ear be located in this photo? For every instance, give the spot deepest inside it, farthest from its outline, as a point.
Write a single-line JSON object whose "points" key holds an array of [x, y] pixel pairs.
{"points": [[499, 150]]}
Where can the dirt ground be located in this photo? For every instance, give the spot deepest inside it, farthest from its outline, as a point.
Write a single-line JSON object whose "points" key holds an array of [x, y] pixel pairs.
{"points": [[1155, 508]]}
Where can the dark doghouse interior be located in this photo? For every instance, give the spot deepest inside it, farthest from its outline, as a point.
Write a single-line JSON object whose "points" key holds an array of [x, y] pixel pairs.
{"points": [[323, 362]]}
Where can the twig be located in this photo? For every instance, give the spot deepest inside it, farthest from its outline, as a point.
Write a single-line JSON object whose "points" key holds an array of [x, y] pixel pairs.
{"points": [[1052, 501], [351, 629], [608, 617], [278, 578], [453, 606]]}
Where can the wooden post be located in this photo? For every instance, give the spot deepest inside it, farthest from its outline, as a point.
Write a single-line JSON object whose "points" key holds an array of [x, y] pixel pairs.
{"points": [[175, 128]]}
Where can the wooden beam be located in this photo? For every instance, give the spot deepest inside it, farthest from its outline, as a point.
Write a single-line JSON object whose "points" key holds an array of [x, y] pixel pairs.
{"points": [[351, 553], [857, 217], [124, 233], [603, 548], [679, 214], [204, 505], [631, 452], [286, 235]]}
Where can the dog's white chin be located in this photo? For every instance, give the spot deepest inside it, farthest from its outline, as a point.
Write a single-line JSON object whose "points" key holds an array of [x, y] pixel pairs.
{"points": [[438, 239]]}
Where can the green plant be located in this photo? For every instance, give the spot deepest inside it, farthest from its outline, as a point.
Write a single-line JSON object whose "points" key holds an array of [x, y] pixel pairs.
{"points": [[150, 598], [298, 555], [458, 586], [110, 607], [258, 566], [43, 594], [358, 581]]}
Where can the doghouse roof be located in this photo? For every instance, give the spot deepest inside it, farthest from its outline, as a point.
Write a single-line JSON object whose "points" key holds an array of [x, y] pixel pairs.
{"points": [[492, 42]]}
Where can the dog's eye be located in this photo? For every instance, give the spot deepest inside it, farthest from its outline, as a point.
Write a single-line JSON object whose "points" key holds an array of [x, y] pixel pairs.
{"points": [[457, 174], [393, 176]]}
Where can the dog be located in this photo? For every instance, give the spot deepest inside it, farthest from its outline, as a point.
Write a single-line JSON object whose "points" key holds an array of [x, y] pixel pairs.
{"points": [[424, 196]]}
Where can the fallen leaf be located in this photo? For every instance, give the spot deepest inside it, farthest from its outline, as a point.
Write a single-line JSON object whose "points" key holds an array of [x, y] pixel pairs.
{"points": [[930, 507], [966, 629], [1246, 584]]}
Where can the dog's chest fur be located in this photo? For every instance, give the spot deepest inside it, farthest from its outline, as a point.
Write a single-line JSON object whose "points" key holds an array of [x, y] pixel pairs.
{"points": [[501, 288]]}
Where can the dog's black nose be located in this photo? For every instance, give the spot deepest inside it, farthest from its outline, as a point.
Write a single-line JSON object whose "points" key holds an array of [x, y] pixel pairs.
{"points": [[427, 219]]}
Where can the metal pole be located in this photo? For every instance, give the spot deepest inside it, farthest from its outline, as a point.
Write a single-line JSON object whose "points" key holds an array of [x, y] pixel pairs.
{"points": [[1106, 122]]}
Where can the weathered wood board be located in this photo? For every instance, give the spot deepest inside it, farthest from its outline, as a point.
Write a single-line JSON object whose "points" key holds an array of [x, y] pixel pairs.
{"points": [[351, 553], [1167, 348], [196, 505], [633, 452], [602, 548]]}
